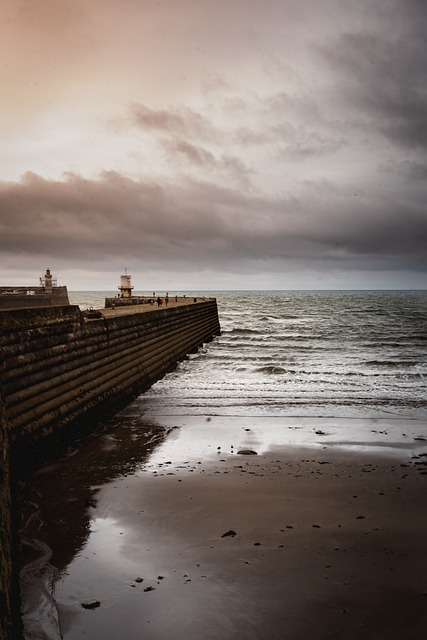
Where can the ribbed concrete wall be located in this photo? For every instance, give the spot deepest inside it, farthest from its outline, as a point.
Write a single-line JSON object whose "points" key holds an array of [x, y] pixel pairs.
{"points": [[59, 370], [57, 367], [5, 531]]}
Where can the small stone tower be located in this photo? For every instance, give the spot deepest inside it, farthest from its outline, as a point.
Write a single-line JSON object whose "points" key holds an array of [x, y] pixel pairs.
{"points": [[125, 287]]}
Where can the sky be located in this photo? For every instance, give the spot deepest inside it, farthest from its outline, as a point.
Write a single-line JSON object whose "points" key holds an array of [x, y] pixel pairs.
{"points": [[210, 144]]}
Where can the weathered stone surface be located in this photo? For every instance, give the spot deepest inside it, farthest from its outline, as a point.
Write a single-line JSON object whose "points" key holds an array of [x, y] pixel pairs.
{"points": [[59, 372], [91, 605], [58, 368], [247, 452], [5, 531]]}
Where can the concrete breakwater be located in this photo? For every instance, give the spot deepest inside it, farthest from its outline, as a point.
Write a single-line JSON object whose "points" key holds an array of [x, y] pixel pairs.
{"points": [[5, 531], [60, 371], [25, 297]]}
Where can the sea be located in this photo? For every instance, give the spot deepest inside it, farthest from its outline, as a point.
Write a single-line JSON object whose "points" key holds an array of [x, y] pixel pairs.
{"points": [[318, 353], [338, 369]]}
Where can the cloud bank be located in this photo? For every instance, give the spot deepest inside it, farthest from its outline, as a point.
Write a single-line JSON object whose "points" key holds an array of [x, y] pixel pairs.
{"points": [[275, 143]]}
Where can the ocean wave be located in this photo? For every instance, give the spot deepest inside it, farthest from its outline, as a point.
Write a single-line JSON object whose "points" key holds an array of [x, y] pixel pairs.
{"points": [[241, 331], [389, 363], [271, 369]]}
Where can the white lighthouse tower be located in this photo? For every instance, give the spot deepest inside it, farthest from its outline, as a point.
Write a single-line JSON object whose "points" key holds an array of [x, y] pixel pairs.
{"points": [[47, 281], [125, 287]]}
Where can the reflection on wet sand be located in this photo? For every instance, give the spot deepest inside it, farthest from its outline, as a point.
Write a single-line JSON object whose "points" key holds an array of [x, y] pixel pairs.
{"points": [[329, 539], [56, 503]]}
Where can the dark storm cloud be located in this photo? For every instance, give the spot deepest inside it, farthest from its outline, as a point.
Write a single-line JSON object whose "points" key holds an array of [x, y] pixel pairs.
{"points": [[276, 123], [204, 224], [250, 137], [253, 132], [382, 74], [179, 133], [226, 165], [180, 121], [196, 155], [410, 170], [288, 139], [300, 141], [83, 218], [298, 126]]}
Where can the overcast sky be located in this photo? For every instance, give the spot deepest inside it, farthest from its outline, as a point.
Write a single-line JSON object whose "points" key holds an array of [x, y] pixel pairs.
{"points": [[214, 144]]}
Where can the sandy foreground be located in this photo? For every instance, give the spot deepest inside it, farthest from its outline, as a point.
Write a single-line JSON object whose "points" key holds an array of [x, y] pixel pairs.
{"points": [[199, 541]]}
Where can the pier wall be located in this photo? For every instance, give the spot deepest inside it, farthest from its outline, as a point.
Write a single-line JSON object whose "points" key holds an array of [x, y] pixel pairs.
{"points": [[60, 372], [5, 531], [24, 297]]}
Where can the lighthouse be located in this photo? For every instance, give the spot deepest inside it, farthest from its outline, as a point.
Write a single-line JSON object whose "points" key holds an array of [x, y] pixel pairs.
{"points": [[125, 287], [48, 282]]}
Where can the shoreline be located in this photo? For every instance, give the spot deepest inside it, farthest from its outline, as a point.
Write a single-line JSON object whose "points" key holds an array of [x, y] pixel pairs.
{"points": [[328, 542]]}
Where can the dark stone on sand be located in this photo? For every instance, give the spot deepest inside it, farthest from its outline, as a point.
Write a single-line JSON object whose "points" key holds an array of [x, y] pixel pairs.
{"points": [[149, 588], [139, 579], [247, 452], [229, 533], [320, 433], [91, 605]]}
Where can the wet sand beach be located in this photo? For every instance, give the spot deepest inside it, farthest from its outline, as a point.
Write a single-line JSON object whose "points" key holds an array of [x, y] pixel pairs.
{"points": [[175, 534]]}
